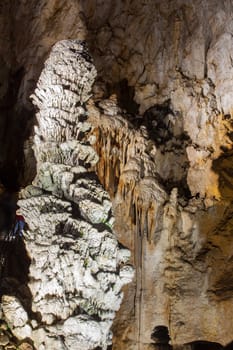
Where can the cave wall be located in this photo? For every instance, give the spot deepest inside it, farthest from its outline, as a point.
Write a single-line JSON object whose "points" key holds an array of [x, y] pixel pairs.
{"points": [[161, 112]]}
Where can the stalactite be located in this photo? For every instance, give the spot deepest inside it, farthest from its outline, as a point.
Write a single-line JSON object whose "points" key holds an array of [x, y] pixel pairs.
{"points": [[151, 219], [137, 187], [134, 166]]}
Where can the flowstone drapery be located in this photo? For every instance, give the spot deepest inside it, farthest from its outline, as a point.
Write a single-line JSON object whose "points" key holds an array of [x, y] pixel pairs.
{"points": [[77, 266]]}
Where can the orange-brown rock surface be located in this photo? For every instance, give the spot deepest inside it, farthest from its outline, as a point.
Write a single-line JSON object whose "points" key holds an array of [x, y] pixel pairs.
{"points": [[161, 110]]}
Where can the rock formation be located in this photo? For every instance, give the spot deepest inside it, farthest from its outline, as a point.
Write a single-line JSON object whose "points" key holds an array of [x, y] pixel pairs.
{"points": [[69, 218], [160, 122]]}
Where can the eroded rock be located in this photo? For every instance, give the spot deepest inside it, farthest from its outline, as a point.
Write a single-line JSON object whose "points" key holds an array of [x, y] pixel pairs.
{"points": [[77, 266]]}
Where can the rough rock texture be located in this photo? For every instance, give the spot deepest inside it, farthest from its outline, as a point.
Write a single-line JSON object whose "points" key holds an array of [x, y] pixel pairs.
{"points": [[162, 115], [77, 267], [175, 240]]}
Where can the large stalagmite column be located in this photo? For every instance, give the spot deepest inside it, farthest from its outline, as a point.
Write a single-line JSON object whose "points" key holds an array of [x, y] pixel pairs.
{"points": [[77, 267]]}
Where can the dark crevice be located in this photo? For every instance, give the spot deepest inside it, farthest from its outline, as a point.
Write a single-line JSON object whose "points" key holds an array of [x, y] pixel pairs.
{"points": [[158, 124], [205, 345], [161, 338], [160, 335], [125, 96], [16, 125], [223, 167], [10, 141], [229, 346], [164, 128], [182, 186]]}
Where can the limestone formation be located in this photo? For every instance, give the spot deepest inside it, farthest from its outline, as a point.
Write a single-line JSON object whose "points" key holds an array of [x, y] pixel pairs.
{"points": [[173, 233], [157, 134], [77, 266]]}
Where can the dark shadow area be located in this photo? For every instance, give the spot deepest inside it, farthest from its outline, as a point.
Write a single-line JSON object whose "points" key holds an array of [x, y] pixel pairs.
{"points": [[16, 123], [125, 96], [161, 338], [223, 166], [157, 123], [15, 272], [10, 139], [165, 129], [17, 262], [229, 346], [183, 188], [205, 345], [13, 164], [7, 211]]}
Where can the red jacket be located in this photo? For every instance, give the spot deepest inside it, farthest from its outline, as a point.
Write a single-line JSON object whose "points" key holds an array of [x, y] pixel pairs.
{"points": [[19, 218]]}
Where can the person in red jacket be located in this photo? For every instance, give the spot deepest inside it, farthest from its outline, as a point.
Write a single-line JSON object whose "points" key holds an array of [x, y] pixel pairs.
{"points": [[19, 224]]}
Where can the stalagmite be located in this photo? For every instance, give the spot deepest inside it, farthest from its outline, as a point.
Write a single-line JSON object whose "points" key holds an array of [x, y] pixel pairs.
{"points": [[77, 267]]}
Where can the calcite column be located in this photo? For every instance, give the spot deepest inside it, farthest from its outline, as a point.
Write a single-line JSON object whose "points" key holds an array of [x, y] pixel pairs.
{"points": [[77, 266]]}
